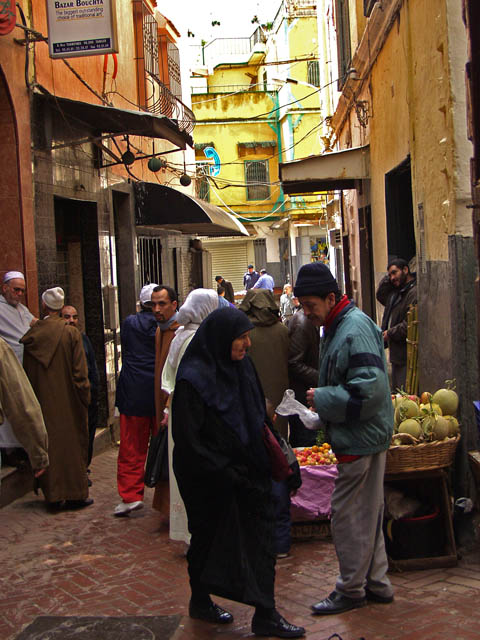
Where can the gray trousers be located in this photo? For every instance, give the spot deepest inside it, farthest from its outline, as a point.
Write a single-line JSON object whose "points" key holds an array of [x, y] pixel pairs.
{"points": [[357, 518], [399, 375]]}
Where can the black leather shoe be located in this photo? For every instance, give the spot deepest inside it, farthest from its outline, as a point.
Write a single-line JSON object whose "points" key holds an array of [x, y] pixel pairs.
{"points": [[375, 597], [77, 504], [277, 627], [213, 613], [336, 603], [55, 506]]}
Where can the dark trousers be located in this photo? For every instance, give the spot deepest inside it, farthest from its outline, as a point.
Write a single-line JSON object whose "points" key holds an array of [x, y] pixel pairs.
{"points": [[399, 374], [92, 427], [300, 436], [283, 523]]}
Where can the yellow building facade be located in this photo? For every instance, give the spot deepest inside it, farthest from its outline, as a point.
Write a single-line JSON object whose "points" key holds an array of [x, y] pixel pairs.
{"points": [[255, 112]]}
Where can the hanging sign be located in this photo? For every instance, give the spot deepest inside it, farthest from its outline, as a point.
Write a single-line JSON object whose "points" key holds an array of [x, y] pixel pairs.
{"points": [[81, 28], [7, 16], [211, 154]]}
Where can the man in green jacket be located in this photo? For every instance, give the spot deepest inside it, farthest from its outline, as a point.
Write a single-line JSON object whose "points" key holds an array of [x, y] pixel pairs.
{"points": [[353, 400]]}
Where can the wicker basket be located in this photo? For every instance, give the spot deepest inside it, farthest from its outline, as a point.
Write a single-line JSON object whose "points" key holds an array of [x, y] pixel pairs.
{"points": [[421, 457]]}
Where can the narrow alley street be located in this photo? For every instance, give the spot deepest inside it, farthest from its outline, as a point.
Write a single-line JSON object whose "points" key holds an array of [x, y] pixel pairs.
{"points": [[88, 563]]}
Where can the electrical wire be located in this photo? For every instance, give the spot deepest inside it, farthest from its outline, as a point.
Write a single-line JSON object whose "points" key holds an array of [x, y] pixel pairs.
{"points": [[237, 215]]}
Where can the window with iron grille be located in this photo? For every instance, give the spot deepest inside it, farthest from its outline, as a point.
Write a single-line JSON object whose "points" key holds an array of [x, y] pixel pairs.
{"points": [[313, 73], [256, 177], [150, 259], [174, 77], [150, 44], [344, 49], [158, 70], [202, 185]]}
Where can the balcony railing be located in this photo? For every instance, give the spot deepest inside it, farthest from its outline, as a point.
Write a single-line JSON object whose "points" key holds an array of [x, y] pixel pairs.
{"points": [[162, 102], [258, 36], [294, 9]]}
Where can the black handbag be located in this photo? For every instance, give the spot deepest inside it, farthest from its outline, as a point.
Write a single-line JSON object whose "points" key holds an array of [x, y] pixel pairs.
{"points": [[156, 467]]}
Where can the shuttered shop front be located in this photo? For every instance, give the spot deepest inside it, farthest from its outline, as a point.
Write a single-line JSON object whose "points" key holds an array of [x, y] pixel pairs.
{"points": [[229, 259]]}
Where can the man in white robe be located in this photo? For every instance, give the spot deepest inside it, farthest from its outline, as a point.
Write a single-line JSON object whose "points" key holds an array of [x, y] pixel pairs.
{"points": [[15, 321]]}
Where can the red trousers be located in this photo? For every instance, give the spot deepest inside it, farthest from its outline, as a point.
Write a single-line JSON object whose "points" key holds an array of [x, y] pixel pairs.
{"points": [[134, 438]]}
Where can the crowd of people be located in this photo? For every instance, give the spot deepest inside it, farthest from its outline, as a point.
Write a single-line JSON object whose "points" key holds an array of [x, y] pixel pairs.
{"points": [[211, 373]]}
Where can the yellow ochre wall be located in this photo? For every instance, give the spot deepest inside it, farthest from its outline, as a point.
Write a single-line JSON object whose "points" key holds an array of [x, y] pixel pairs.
{"points": [[227, 120], [410, 99]]}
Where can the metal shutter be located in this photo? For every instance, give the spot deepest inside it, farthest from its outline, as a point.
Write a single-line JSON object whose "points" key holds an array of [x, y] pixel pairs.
{"points": [[229, 259]]}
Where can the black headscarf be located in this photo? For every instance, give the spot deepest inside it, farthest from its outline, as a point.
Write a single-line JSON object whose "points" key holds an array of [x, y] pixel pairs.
{"points": [[230, 387]]}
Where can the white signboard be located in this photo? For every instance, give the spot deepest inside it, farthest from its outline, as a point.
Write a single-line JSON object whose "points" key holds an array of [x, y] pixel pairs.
{"points": [[81, 27]]}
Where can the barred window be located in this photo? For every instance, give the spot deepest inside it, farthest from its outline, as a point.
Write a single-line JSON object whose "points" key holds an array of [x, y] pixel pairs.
{"points": [[202, 185], [313, 71], [256, 177], [150, 258], [150, 44]]}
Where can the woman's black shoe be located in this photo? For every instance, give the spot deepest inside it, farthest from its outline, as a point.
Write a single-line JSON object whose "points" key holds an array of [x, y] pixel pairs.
{"points": [[212, 613], [276, 626]]}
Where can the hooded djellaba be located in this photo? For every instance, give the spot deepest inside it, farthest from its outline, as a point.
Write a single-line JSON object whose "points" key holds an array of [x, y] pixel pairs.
{"points": [[224, 475], [55, 363], [269, 350]]}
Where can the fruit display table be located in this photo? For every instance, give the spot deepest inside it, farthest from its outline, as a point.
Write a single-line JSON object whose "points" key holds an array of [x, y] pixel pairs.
{"points": [[312, 500]]}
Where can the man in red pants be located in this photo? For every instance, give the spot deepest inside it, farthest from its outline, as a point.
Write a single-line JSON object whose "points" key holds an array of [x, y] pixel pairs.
{"points": [[135, 400]]}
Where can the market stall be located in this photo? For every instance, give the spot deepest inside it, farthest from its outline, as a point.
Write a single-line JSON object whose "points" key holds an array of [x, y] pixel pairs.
{"points": [[312, 500], [418, 522]]}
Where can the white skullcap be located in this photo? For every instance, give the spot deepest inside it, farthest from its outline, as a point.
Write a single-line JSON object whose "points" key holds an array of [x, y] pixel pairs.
{"points": [[146, 293], [54, 298], [13, 274]]}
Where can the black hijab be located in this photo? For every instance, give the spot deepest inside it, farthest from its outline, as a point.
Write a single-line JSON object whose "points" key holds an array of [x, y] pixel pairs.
{"points": [[230, 387]]}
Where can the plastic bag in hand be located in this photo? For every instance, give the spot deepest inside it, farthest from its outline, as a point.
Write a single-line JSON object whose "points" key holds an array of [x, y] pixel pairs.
{"points": [[289, 406]]}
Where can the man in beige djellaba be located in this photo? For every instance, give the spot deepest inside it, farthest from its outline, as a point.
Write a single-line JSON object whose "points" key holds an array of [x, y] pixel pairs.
{"points": [[20, 407], [55, 363]]}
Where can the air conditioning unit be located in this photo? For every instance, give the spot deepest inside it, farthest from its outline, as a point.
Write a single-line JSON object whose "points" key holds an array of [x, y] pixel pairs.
{"points": [[335, 236]]}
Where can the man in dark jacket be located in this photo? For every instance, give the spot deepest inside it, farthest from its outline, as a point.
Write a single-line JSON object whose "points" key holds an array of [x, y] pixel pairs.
{"points": [[397, 291], [135, 401], [352, 398], [227, 285], [70, 315], [250, 277], [302, 372]]}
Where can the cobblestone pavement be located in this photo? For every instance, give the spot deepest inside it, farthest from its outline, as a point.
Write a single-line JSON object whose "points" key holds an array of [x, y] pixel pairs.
{"points": [[90, 563]]}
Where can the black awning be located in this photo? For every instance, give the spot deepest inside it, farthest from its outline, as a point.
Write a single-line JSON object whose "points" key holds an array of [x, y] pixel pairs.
{"points": [[99, 118], [168, 208]]}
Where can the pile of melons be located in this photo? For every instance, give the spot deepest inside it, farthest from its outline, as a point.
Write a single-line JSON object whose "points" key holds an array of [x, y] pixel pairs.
{"points": [[426, 418]]}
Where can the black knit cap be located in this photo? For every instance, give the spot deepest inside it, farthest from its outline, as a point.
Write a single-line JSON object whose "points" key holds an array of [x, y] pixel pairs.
{"points": [[315, 279]]}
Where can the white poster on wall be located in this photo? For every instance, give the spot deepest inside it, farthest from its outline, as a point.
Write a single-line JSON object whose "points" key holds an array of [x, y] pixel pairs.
{"points": [[81, 28]]}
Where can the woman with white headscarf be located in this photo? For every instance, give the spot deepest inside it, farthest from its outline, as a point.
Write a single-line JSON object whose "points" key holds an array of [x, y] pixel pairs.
{"points": [[197, 306]]}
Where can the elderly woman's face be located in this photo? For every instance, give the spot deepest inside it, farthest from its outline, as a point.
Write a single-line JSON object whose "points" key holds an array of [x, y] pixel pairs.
{"points": [[240, 346]]}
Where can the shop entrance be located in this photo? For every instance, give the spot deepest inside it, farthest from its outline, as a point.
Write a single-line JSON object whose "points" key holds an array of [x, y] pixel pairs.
{"points": [[78, 273]]}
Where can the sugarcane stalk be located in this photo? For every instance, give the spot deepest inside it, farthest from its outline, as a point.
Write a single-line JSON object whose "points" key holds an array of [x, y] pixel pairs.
{"points": [[415, 350], [408, 382]]}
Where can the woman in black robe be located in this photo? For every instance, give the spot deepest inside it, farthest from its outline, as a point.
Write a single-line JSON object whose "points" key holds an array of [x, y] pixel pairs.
{"points": [[224, 476]]}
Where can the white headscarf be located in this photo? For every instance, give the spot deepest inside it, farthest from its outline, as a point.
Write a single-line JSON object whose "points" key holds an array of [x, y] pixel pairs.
{"points": [[198, 304]]}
